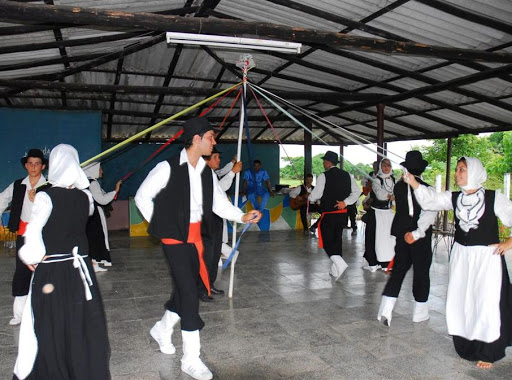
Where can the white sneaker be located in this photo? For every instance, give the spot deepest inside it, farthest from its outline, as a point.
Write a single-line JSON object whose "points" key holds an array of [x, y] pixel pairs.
{"points": [[197, 369], [163, 339], [106, 263], [97, 268], [14, 322]]}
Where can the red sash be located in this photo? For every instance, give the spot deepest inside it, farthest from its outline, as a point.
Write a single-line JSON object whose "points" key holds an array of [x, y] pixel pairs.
{"points": [[22, 227], [194, 236], [320, 241]]}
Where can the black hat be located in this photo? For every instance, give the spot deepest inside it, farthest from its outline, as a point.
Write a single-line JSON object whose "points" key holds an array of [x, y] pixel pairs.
{"points": [[214, 150], [196, 126], [414, 162], [331, 156], [37, 153]]}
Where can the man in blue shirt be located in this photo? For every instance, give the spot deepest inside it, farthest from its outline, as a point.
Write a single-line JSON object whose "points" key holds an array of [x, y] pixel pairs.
{"points": [[257, 184]]}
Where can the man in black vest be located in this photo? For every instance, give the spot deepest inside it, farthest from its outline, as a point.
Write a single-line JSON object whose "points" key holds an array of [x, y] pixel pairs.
{"points": [[335, 189], [179, 198], [213, 248], [413, 231], [20, 194]]}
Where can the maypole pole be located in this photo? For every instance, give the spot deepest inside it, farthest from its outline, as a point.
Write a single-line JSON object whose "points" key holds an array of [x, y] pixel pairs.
{"points": [[245, 63]]}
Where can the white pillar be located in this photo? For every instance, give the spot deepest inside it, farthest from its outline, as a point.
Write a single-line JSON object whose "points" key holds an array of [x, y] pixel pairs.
{"points": [[439, 179]]}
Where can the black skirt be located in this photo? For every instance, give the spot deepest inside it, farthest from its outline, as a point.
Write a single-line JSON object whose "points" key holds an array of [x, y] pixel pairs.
{"points": [[71, 331], [96, 238]]}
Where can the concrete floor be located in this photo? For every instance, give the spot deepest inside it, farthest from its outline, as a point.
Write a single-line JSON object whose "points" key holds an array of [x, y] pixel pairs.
{"points": [[287, 319]]}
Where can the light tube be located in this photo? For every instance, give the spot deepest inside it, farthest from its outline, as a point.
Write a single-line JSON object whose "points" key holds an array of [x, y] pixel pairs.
{"points": [[233, 42]]}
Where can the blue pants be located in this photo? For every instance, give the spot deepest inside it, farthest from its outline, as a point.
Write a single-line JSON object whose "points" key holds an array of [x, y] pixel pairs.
{"points": [[253, 197]]}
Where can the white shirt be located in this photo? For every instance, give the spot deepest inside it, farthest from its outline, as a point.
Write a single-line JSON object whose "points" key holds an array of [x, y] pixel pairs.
{"points": [[296, 191], [158, 178], [7, 194], [99, 195], [318, 191], [225, 170], [34, 249]]}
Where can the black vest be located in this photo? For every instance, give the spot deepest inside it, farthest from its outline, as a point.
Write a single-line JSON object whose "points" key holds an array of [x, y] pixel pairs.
{"points": [[171, 206], [303, 190], [65, 227], [487, 231], [337, 188], [402, 221], [18, 196]]}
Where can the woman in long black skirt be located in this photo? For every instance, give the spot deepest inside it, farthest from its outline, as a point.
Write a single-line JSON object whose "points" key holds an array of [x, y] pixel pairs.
{"points": [[63, 330]]}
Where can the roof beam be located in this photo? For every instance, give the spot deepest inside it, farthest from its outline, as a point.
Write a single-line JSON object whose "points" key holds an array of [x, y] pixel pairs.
{"points": [[158, 90], [468, 15], [20, 12]]}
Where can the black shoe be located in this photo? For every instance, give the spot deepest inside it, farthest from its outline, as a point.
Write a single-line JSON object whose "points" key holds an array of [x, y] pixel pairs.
{"points": [[214, 290], [312, 229], [206, 298]]}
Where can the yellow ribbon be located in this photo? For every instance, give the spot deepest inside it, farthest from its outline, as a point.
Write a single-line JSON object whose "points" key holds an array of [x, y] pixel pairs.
{"points": [[157, 125]]}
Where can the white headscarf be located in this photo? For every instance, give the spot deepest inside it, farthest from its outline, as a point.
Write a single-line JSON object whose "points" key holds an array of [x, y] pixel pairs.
{"points": [[476, 173], [65, 170], [92, 170], [471, 207], [380, 173]]}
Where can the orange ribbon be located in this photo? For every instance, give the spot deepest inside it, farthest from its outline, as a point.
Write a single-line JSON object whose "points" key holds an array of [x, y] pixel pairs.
{"points": [[194, 236], [22, 227], [320, 241]]}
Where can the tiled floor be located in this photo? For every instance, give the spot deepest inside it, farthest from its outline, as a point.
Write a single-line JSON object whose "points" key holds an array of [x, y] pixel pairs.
{"points": [[286, 320]]}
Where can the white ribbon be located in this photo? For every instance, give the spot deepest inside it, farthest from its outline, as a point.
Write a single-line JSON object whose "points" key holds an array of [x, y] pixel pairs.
{"points": [[79, 263]]}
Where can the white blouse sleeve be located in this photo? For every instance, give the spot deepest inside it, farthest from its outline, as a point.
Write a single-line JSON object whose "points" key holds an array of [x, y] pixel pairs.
{"points": [[431, 200], [380, 192], [34, 250], [503, 209], [99, 195]]}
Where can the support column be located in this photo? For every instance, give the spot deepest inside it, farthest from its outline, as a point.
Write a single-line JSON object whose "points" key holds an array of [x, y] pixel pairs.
{"points": [[448, 176], [308, 158], [380, 130], [342, 154]]}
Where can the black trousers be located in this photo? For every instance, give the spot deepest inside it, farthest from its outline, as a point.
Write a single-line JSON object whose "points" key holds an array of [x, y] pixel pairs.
{"points": [[22, 275], [419, 256], [304, 215], [352, 212], [369, 238], [332, 226], [183, 260], [212, 253]]}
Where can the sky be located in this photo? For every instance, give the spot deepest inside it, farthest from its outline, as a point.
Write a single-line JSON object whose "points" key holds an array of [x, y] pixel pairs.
{"points": [[355, 153]]}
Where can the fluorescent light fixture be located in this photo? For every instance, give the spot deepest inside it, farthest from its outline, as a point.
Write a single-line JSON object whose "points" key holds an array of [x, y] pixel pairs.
{"points": [[233, 42]]}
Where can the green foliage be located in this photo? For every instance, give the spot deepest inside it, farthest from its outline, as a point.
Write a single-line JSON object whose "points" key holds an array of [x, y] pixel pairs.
{"points": [[495, 152]]}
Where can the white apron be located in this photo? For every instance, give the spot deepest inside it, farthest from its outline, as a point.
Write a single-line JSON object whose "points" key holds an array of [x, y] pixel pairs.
{"points": [[474, 293], [384, 241]]}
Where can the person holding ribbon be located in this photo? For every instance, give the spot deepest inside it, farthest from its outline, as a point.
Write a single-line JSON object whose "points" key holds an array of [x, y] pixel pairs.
{"points": [[379, 243], [213, 248], [20, 195], [335, 189], [479, 298], [63, 332], [178, 198], [412, 228], [97, 231]]}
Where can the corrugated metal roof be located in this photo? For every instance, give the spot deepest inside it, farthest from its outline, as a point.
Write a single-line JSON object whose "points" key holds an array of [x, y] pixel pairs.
{"points": [[478, 105]]}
